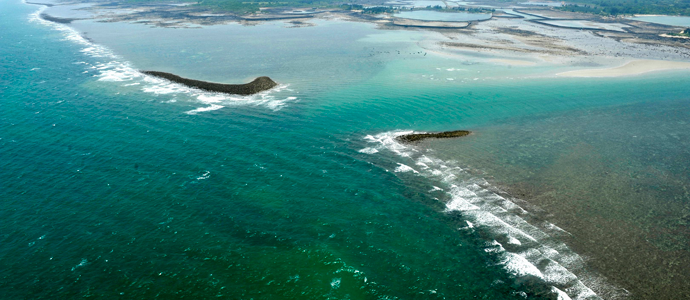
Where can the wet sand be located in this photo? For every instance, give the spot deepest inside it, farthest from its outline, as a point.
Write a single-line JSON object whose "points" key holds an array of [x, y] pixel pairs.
{"points": [[636, 67], [513, 62]]}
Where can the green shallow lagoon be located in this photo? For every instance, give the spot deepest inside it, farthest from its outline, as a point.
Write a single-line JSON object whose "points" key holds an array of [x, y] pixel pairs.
{"points": [[114, 186]]}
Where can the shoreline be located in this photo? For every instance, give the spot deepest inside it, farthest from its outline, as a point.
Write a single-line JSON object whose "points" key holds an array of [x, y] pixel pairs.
{"points": [[616, 71]]}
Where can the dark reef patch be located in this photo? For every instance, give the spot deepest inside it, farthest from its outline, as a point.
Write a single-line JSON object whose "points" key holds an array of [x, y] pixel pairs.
{"points": [[36, 3], [416, 137], [258, 85], [48, 17]]}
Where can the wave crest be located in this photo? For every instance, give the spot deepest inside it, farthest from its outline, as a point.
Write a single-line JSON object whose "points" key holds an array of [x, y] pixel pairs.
{"points": [[112, 68], [523, 250]]}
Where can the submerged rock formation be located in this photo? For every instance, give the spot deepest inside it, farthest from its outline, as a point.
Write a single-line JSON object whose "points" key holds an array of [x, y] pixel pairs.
{"points": [[415, 137], [50, 18], [258, 85]]}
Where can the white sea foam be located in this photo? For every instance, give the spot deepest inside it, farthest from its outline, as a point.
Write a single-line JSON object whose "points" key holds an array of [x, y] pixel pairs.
{"points": [[335, 283], [435, 188], [110, 67], [204, 109], [404, 168], [81, 264], [524, 250], [206, 175], [519, 266], [369, 150], [560, 294]]}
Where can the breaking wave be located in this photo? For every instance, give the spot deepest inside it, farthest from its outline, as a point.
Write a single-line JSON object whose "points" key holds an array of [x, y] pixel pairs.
{"points": [[528, 252], [110, 67]]}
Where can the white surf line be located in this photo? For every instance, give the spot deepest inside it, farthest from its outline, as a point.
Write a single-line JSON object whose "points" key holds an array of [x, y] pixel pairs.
{"points": [[526, 252], [112, 68]]}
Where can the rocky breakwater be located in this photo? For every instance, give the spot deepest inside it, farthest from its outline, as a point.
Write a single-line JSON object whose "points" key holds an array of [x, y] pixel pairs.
{"points": [[50, 18], [258, 85], [416, 137]]}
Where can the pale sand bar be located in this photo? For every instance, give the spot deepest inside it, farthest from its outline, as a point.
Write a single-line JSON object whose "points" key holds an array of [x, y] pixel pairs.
{"points": [[635, 67], [428, 24], [513, 62]]}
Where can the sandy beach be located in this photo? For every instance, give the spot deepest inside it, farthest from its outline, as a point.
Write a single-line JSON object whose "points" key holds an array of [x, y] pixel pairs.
{"points": [[631, 68]]}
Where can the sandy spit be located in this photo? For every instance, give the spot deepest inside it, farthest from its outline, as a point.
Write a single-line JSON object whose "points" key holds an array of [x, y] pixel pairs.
{"points": [[513, 62], [635, 67]]}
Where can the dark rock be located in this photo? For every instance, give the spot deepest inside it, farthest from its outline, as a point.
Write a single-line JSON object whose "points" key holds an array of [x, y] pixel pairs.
{"points": [[258, 85], [415, 137], [48, 17], [45, 4]]}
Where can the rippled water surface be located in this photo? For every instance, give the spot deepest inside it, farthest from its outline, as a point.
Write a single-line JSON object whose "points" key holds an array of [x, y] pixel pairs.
{"points": [[116, 184]]}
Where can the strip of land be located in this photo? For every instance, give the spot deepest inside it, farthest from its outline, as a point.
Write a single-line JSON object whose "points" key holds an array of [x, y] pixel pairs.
{"points": [[635, 67], [512, 62], [258, 85], [416, 137]]}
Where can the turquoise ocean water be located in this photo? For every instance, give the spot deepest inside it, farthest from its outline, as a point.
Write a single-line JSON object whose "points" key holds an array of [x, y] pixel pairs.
{"points": [[117, 185]]}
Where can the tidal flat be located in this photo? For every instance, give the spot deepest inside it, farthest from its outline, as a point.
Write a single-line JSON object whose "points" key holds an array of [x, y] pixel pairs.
{"points": [[572, 184]]}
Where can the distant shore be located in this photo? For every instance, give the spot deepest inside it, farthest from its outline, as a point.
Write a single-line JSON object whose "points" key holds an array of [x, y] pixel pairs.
{"points": [[513, 42]]}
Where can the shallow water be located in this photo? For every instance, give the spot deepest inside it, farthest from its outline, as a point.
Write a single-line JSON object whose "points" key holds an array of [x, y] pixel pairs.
{"points": [[428, 15], [423, 3], [553, 4], [588, 25], [117, 184], [666, 20]]}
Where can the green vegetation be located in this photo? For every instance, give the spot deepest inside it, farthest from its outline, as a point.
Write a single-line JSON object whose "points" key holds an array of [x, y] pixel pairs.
{"points": [[630, 7], [374, 10], [259, 84], [416, 137]]}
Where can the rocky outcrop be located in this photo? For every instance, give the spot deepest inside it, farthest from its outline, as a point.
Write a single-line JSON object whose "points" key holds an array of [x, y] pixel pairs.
{"points": [[48, 17], [258, 85], [416, 137]]}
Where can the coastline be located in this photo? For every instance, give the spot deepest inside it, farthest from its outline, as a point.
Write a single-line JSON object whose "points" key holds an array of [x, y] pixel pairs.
{"points": [[635, 67]]}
